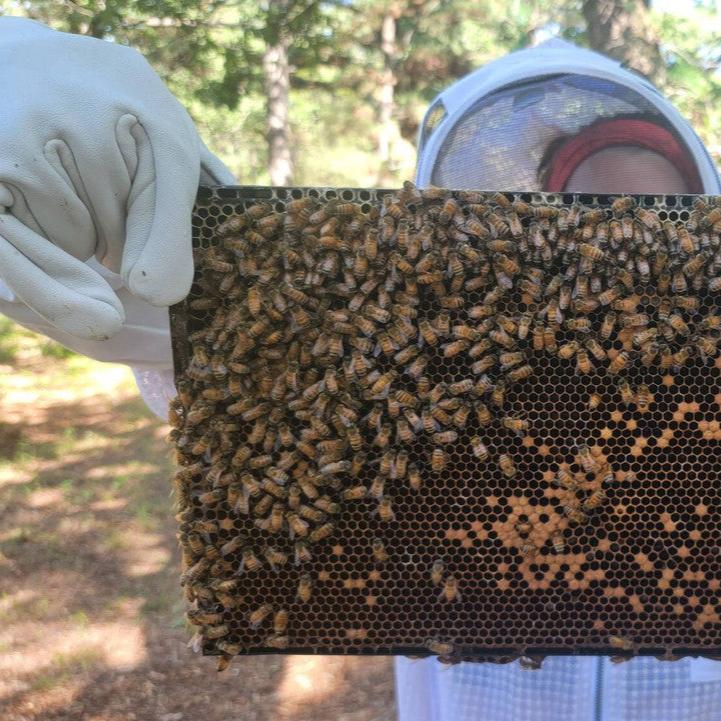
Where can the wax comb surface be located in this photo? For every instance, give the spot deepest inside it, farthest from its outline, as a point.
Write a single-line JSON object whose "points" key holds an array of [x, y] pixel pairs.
{"points": [[480, 425]]}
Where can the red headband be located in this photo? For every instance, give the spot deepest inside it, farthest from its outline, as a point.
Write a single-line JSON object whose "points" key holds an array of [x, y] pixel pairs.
{"points": [[621, 131]]}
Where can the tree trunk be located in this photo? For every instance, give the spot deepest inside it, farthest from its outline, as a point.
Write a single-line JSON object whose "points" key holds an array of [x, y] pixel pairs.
{"points": [[388, 127], [276, 76], [621, 30]]}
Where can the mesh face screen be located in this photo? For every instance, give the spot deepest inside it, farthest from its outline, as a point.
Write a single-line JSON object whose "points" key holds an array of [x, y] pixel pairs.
{"points": [[502, 139], [477, 425]]}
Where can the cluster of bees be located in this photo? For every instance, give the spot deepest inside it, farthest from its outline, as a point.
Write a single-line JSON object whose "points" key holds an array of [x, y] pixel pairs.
{"points": [[310, 383]]}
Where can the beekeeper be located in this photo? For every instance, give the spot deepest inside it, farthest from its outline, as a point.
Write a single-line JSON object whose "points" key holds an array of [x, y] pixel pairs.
{"points": [[98, 173]]}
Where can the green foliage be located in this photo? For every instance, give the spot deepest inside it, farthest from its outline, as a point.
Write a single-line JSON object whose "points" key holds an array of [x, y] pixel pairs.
{"points": [[690, 47], [210, 53], [51, 349], [8, 341]]}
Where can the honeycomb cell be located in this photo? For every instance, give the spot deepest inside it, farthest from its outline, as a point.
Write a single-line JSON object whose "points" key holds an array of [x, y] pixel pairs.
{"points": [[326, 433]]}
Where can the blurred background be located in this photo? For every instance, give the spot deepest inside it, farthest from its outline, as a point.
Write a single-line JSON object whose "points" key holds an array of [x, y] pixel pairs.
{"points": [[285, 92]]}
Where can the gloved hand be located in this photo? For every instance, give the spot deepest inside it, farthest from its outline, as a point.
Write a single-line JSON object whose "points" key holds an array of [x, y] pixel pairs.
{"points": [[97, 158]]}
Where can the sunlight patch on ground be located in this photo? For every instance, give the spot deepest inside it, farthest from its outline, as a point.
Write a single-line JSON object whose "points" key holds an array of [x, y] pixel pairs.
{"points": [[147, 555], [44, 497], [131, 468], [10, 601], [59, 646], [307, 679], [11, 475], [109, 504]]}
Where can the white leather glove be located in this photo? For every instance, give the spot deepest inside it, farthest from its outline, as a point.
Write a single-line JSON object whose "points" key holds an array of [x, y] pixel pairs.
{"points": [[97, 158], [143, 341]]}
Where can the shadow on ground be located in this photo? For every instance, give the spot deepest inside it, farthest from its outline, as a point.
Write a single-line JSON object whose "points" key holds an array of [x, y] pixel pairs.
{"points": [[91, 622]]}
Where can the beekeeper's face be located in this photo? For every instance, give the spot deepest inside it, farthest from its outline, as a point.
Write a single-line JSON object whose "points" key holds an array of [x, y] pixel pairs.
{"points": [[626, 170]]}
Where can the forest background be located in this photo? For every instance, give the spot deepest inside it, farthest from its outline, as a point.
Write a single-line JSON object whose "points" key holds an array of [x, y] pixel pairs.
{"points": [[331, 92]]}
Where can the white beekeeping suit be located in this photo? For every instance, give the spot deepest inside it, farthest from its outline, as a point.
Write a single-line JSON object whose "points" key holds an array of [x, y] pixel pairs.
{"points": [[554, 118]]}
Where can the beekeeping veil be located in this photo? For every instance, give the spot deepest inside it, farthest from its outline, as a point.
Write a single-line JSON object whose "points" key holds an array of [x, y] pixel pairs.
{"points": [[529, 120]]}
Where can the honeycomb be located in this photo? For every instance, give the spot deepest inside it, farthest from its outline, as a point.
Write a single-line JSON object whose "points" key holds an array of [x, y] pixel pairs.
{"points": [[479, 425]]}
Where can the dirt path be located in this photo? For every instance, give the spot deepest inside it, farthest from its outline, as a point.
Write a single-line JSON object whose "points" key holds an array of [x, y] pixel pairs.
{"points": [[91, 622]]}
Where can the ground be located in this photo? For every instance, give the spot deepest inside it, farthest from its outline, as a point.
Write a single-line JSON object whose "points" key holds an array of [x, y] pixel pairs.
{"points": [[91, 613]]}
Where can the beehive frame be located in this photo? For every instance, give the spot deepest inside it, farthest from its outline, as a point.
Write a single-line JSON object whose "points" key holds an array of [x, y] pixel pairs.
{"points": [[641, 575]]}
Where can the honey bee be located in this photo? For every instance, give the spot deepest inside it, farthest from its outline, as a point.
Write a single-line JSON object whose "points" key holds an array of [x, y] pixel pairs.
{"points": [[695, 264], [580, 325], [517, 425], [678, 324], [258, 616], [213, 632], [280, 621], [583, 362], [445, 437], [558, 543], [524, 325], [414, 477], [483, 414], [440, 648], [321, 532], [297, 525], [249, 562], [680, 357], [586, 458], [596, 348], [609, 323], [385, 509], [678, 283], [538, 337], [380, 555], [644, 398], [400, 467], [574, 513], [450, 589], [231, 546], [354, 494], [382, 384], [377, 487], [508, 468], [619, 363], [277, 641], [460, 417], [479, 449], [302, 552], [619, 642], [627, 395], [519, 374], [438, 460], [459, 387], [383, 437], [649, 219], [275, 557], [712, 217], [586, 250], [568, 350], [597, 497], [305, 588], [622, 205], [276, 491], [415, 370], [502, 338], [565, 480]]}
